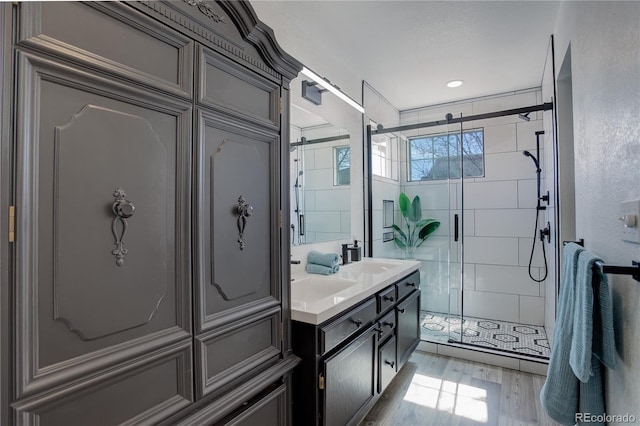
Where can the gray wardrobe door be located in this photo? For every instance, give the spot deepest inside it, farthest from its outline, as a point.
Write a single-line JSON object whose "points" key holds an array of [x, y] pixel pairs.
{"points": [[102, 253], [237, 273], [237, 301]]}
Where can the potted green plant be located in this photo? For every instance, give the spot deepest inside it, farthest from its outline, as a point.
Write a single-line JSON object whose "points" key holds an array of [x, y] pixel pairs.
{"points": [[418, 229]]}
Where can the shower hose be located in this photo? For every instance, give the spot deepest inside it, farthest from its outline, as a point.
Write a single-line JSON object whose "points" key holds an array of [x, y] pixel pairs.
{"points": [[533, 247]]}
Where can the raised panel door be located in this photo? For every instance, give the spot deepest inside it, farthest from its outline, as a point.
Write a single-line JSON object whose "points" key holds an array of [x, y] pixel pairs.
{"points": [[237, 221], [102, 197], [350, 379], [408, 327]]}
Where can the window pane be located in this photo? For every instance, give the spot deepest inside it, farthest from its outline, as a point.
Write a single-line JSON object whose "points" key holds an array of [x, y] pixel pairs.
{"points": [[384, 156], [421, 169], [438, 156], [342, 165]]}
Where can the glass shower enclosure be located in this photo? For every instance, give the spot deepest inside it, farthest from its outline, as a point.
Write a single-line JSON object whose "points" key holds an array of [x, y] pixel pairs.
{"points": [[431, 165], [471, 177]]}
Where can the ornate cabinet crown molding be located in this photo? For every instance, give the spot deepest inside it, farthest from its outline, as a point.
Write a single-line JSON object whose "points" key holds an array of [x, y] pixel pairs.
{"points": [[269, 58], [206, 9]]}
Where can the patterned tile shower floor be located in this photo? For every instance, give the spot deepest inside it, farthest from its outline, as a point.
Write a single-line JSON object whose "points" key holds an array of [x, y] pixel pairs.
{"points": [[498, 335]]}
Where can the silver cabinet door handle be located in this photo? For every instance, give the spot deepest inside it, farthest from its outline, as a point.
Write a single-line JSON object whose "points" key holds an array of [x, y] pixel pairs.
{"points": [[244, 210], [122, 209]]}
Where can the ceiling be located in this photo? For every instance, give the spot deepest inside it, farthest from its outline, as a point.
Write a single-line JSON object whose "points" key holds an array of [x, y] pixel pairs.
{"points": [[409, 50]]}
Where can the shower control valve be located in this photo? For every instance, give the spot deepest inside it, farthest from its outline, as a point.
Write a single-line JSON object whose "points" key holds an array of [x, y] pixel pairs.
{"points": [[546, 232]]}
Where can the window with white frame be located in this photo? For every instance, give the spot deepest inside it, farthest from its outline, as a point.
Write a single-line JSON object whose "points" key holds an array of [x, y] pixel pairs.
{"points": [[434, 157], [384, 156]]}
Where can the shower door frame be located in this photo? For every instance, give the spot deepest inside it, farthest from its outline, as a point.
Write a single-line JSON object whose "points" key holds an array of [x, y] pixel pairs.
{"points": [[448, 121]]}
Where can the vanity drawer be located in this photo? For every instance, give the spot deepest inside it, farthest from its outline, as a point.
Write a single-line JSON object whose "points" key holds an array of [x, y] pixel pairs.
{"points": [[408, 284], [386, 299], [386, 325], [335, 332], [387, 364]]}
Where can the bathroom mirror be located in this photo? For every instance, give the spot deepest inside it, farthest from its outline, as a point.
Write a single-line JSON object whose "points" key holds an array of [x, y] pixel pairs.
{"points": [[320, 167]]}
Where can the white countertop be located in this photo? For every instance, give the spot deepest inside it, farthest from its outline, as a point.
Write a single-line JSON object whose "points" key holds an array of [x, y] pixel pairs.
{"points": [[316, 298]]}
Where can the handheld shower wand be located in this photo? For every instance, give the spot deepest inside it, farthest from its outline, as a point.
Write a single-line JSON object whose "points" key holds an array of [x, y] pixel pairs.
{"points": [[539, 207]]}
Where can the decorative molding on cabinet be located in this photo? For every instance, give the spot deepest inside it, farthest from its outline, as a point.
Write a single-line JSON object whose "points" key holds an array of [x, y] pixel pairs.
{"points": [[29, 410], [261, 334], [207, 10], [210, 62], [223, 406], [32, 38], [32, 375], [277, 62], [86, 321]]}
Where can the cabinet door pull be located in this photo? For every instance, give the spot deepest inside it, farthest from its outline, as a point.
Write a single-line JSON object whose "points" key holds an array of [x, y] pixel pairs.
{"points": [[379, 330], [390, 363], [411, 285], [357, 322], [401, 310], [122, 209], [388, 324], [389, 298]]}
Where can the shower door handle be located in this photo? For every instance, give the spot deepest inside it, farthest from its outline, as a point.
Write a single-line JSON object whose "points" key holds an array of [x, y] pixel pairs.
{"points": [[455, 227], [301, 225]]}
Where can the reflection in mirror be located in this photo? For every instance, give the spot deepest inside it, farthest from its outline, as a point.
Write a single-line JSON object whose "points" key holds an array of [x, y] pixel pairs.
{"points": [[320, 179], [387, 213]]}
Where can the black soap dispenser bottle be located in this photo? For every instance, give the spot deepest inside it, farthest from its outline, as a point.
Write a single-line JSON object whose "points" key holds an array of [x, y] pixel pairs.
{"points": [[356, 251]]}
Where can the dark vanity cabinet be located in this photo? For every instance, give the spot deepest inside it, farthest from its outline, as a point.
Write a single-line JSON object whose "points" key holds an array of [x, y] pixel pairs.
{"points": [[348, 360], [143, 142]]}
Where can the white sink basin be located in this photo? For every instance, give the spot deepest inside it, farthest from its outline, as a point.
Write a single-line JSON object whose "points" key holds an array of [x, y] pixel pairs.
{"points": [[310, 289], [373, 266]]}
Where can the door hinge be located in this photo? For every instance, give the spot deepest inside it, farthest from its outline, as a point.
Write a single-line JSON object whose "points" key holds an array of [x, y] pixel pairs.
{"points": [[12, 224], [280, 219], [281, 105], [321, 382]]}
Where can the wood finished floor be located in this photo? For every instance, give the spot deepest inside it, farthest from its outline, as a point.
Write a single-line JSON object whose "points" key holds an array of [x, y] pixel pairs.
{"points": [[433, 390]]}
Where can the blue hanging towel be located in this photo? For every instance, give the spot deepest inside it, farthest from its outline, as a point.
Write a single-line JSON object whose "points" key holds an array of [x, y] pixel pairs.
{"points": [[560, 393], [593, 340]]}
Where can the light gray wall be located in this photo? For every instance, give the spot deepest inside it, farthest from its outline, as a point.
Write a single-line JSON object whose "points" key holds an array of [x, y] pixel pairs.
{"points": [[605, 54]]}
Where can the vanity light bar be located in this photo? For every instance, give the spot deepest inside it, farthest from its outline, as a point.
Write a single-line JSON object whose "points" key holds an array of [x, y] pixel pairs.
{"points": [[330, 87]]}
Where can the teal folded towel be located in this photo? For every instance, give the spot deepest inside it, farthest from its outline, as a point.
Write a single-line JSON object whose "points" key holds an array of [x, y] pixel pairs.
{"points": [[324, 259], [313, 268]]}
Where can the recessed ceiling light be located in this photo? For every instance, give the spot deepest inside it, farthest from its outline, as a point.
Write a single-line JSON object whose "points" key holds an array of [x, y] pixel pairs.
{"points": [[454, 83]]}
